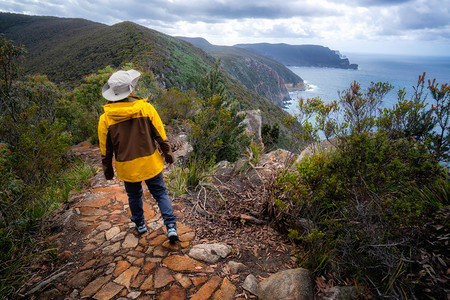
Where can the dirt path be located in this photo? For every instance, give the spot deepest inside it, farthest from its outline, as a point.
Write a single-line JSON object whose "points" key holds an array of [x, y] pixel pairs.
{"points": [[102, 256]]}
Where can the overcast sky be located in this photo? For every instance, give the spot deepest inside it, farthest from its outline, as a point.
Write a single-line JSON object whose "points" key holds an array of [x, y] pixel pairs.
{"points": [[364, 26]]}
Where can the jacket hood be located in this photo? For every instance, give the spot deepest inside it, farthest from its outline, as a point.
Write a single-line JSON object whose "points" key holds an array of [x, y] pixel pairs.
{"points": [[122, 111]]}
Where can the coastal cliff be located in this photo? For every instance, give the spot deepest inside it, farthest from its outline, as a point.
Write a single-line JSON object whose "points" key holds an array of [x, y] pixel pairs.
{"points": [[302, 55], [268, 77]]}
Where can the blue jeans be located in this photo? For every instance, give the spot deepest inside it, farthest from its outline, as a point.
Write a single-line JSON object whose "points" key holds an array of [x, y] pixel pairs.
{"points": [[157, 188]]}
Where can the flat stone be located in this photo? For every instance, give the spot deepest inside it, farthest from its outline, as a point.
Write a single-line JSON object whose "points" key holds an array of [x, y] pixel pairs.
{"points": [[121, 266], [184, 263], [89, 264], [137, 282], [187, 237], [80, 279], [127, 276], [92, 211], [89, 219], [111, 249], [148, 267], [183, 280], [122, 197], [119, 219], [160, 251], [135, 253], [108, 291], [110, 268], [94, 286], [106, 260], [89, 247], [99, 202], [199, 280], [174, 293], [143, 240], [157, 224], [104, 226], [226, 291], [109, 234], [133, 295], [171, 246], [131, 241], [98, 239], [184, 244], [162, 277], [206, 291], [110, 191], [119, 236], [147, 284], [210, 253], [139, 262], [182, 229], [158, 240]]}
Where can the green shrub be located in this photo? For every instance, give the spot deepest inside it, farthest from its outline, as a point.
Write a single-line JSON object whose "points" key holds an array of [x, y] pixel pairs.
{"points": [[270, 136], [353, 210], [176, 106], [216, 131]]}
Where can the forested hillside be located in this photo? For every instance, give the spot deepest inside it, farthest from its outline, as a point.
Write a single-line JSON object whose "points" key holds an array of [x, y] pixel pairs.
{"points": [[67, 49], [266, 76]]}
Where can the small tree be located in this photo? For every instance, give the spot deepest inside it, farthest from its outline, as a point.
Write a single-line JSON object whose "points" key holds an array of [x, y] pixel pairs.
{"points": [[217, 129], [270, 135]]}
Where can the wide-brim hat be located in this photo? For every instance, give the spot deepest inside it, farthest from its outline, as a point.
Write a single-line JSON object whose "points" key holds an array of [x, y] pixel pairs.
{"points": [[120, 85]]}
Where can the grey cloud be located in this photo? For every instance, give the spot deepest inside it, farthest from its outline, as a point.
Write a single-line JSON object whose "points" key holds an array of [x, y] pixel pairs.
{"points": [[208, 11], [424, 17], [219, 11], [373, 3]]}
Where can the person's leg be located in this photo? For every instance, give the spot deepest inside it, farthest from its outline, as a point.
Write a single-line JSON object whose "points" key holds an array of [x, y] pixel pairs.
{"points": [[134, 192], [158, 190]]}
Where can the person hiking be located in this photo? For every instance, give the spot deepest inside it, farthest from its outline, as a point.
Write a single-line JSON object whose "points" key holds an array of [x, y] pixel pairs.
{"points": [[130, 129]]}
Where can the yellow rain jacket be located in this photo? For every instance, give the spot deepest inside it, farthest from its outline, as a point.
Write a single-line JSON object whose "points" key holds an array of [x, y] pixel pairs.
{"points": [[130, 130]]}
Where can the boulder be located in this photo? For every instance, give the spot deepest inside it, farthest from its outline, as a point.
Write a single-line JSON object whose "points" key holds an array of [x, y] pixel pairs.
{"points": [[236, 267], [294, 284], [253, 121], [250, 284]]}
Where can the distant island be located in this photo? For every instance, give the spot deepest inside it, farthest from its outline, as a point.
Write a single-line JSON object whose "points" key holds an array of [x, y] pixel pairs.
{"points": [[302, 55]]}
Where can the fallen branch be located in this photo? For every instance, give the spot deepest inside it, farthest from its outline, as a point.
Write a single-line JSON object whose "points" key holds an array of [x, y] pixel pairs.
{"points": [[44, 283], [252, 219]]}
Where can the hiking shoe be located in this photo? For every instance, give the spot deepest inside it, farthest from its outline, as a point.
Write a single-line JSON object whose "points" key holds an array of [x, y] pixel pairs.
{"points": [[172, 233], [141, 228]]}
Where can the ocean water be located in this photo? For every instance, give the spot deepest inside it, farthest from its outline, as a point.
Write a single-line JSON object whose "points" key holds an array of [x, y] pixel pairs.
{"points": [[399, 71]]}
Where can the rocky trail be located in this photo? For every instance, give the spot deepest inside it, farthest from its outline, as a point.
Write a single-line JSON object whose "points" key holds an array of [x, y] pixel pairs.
{"points": [[102, 256]]}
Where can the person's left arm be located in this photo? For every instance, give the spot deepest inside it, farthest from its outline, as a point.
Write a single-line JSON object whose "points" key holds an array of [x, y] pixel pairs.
{"points": [[106, 148], [159, 134]]}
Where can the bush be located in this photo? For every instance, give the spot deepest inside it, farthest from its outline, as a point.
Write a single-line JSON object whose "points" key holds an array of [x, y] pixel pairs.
{"points": [[176, 106], [354, 210], [216, 131]]}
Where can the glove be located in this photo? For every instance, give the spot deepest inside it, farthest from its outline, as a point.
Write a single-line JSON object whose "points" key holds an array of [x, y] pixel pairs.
{"points": [[169, 158]]}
